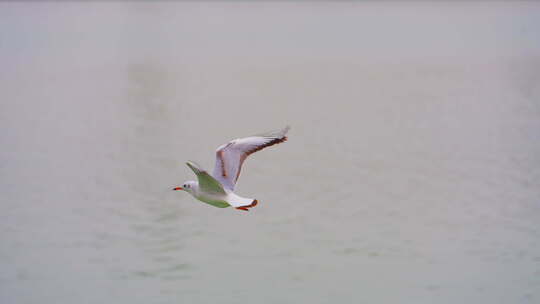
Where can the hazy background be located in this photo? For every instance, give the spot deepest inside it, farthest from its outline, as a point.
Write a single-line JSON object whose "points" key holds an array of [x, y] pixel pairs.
{"points": [[412, 172]]}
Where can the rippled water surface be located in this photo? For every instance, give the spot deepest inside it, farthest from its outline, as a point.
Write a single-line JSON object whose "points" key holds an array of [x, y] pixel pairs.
{"points": [[411, 174]]}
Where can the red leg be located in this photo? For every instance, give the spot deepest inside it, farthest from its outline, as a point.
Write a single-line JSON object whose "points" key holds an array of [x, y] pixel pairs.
{"points": [[246, 208]]}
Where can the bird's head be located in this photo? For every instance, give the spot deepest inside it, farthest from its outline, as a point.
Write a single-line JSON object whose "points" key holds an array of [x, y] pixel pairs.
{"points": [[188, 186]]}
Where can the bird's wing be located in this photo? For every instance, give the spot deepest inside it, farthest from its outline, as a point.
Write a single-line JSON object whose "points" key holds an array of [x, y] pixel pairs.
{"points": [[207, 183], [231, 156]]}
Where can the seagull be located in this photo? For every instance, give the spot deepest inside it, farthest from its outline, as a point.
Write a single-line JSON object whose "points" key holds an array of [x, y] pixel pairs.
{"points": [[218, 189]]}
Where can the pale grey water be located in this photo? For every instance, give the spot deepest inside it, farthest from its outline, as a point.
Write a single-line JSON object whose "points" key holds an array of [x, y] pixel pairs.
{"points": [[412, 173]]}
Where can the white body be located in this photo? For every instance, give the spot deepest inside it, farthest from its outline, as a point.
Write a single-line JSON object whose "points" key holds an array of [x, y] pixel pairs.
{"points": [[220, 200]]}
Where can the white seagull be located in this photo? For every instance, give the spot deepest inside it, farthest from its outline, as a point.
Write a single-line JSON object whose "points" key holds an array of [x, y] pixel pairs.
{"points": [[218, 189]]}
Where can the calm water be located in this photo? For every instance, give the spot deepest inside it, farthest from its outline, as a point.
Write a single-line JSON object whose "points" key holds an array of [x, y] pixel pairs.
{"points": [[412, 173]]}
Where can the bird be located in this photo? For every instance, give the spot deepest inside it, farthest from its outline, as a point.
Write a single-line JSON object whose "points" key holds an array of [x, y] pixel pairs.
{"points": [[217, 189]]}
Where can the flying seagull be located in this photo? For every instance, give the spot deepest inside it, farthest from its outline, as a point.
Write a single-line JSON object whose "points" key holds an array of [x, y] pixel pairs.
{"points": [[218, 189]]}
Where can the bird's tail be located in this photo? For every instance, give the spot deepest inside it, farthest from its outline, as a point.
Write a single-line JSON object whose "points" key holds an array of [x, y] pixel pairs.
{"points": [[241, 202]]}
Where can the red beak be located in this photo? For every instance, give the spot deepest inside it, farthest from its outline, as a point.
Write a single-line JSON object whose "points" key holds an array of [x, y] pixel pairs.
{"points": [[178, 188]]}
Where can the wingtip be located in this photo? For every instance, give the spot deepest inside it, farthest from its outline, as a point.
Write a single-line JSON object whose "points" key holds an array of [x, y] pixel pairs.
{"points": [[279, 133], [193, 165], [284, 131]]}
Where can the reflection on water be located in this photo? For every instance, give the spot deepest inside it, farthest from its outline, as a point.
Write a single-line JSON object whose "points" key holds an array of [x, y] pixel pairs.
{"points": [[412, 165]]}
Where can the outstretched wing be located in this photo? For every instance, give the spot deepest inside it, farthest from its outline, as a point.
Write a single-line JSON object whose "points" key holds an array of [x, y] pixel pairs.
{"points": [[231, 156], [207, 183]]}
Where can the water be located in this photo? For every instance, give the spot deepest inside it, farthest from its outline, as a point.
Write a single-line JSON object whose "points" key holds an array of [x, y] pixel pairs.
{"points": [[411, 174]]}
